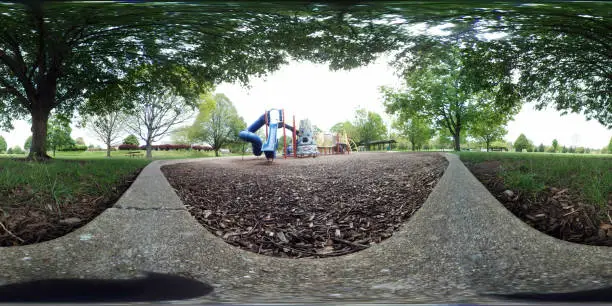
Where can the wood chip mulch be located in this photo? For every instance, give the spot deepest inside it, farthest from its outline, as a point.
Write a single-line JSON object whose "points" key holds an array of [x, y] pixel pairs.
{"points": [[310, 207]]}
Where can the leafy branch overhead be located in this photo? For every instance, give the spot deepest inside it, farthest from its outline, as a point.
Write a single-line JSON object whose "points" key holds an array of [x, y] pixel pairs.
{"points": [[56, 56]]}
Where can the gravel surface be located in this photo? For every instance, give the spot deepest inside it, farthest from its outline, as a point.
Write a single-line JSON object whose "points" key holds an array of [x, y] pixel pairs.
{"points": [[311, 207]]}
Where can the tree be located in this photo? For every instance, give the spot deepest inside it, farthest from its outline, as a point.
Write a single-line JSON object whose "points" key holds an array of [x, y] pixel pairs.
{"points": [[555, 145], [28, 144], [17, 150], [369, 126], [417, 130], [58, 135], [445, 84], [80, 141], [2, 145], [55, 56], [217, 123], [181, 135], [522, 143], [131, 140], [489, 122], [443, 140], [541, 148], [610, 145], [488, 133], [108, 127], [564, 149], [344, 127], [158, 114]]}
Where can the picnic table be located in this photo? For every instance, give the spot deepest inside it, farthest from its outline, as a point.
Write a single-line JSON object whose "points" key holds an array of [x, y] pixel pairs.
{"points": [[134, 153]]}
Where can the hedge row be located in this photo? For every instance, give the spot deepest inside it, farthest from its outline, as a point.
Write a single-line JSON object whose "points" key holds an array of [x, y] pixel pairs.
{"points": [[74, 148]]}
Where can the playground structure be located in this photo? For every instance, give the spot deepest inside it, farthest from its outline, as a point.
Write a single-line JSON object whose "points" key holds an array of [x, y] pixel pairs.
{"points": [[304, 140], [333, 143]]}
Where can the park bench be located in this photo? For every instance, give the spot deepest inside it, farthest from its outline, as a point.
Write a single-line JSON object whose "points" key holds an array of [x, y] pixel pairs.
{"points": [[134, 153]]}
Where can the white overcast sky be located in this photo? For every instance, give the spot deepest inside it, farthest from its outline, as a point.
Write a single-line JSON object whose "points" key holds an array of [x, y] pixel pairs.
{"points": [[312, 91]]}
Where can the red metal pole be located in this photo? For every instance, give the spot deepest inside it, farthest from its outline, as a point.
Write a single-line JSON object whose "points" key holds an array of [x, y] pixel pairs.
{"points": [[294, 139], [284, 136]]}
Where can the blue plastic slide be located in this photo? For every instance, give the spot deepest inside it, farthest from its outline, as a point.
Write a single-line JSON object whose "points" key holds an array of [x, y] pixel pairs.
{"points": [[250, 136], [269, 147]]}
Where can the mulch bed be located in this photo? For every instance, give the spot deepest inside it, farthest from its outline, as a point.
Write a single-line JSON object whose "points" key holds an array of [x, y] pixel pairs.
{"points": [[558, 212], [310, 207], [27, 224]]}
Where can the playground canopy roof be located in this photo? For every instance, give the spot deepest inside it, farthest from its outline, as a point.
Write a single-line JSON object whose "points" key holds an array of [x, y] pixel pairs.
{"points": [[375, 142]]}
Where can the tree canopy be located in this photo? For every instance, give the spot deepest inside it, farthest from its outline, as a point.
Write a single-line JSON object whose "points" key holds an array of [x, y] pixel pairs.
{"points": [[58, 55], [55, 56], [522, 143], [59, 134], [217, 123], [447, 89], [417, 130], [369, 126], [131, 140]]}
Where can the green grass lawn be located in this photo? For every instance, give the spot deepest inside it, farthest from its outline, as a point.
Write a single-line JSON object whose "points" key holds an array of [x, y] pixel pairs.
{"points": [[123, 155], [71, 175], [588, 175], [61, 182]]}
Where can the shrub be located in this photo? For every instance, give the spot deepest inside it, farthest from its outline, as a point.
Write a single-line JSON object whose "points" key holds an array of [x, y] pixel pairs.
{"points": [[16, 150], [128, 147], [580, 150], [202, 148], [75, 147]]}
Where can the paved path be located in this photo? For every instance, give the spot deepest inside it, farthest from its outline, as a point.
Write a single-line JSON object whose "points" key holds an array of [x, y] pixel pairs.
{"points": [[462, 243]]}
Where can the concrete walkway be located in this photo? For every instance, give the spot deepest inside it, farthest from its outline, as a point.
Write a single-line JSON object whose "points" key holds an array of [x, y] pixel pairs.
{"points": [[462, 243]]}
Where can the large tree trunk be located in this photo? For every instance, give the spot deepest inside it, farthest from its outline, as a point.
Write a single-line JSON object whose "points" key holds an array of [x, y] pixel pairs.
{"points": [[108, 147], [149, 149], [38, 150], [217, 152], [457, 140], [488, 145]]}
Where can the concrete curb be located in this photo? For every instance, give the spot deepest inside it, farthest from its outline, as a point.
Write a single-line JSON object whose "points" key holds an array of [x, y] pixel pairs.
{"points": [[460, 244]]}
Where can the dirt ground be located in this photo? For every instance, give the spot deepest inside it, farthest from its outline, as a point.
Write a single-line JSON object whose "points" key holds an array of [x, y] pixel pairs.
{"points": [[558, 212], [27, 224], [309, 207]]}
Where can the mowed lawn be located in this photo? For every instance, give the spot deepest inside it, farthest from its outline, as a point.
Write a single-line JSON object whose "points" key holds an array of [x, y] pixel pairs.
{"points": [[123, 154], [57, 183], [588, 175], [72, 175]]}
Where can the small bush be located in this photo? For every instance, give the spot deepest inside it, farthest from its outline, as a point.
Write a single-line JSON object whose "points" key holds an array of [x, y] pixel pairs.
{"points": [[75, 147], [202, 148]]}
